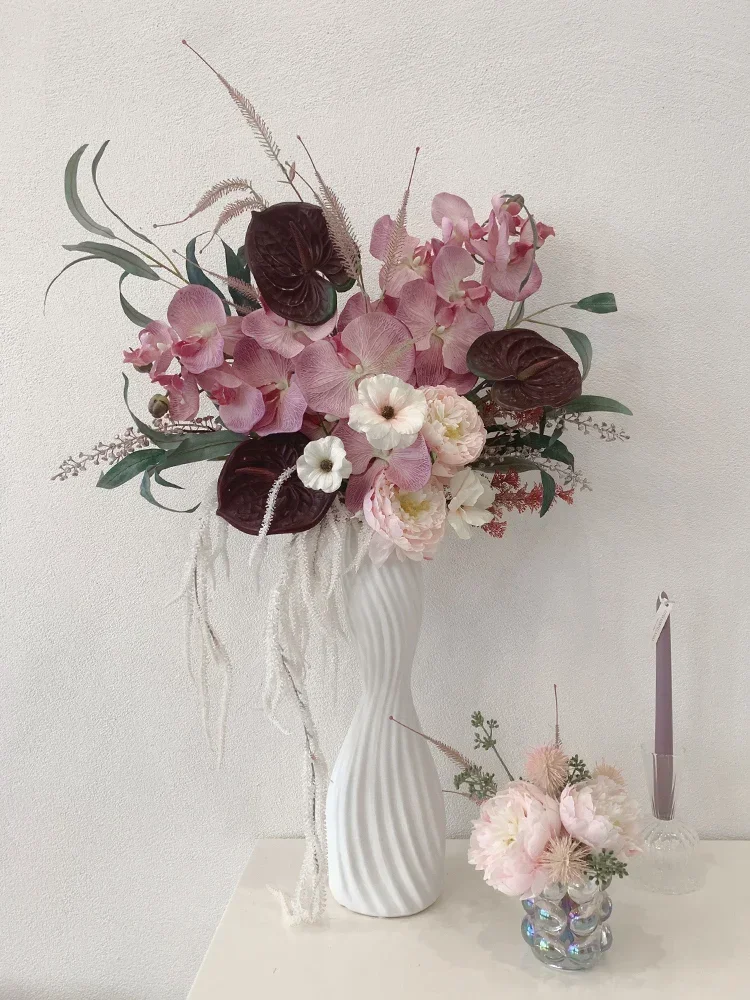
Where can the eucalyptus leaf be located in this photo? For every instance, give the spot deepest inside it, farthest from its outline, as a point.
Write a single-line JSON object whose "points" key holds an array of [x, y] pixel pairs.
{"points": [[583, 348], [148, 495], [77, 210], [125, 259], [202, 448], [94, 168], [78, 260], [602, 302], [594, 404], [548, 446], [548, 492], [168, 442], [196, 275], [139, 318], [129, 467]]}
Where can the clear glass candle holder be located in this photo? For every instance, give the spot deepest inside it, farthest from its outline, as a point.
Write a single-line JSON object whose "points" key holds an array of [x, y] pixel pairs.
{"points": [[566, 925], [669, 863]]}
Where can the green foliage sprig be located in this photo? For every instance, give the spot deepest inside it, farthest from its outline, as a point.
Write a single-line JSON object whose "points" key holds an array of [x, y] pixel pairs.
{"points": [[577, 770], [603, 867]]}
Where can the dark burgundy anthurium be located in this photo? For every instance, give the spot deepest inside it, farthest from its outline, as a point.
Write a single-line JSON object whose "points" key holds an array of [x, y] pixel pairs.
{"points": [[246, 480], [527, 370], [295, 265]]}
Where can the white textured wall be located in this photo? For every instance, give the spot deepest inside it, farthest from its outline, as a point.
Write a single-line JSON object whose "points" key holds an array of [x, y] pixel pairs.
{"points": [[625, 125]]}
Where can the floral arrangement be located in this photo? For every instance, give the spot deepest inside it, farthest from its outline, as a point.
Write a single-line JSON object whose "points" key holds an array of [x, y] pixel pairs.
{"points": [[561, 824], [411, 409]]}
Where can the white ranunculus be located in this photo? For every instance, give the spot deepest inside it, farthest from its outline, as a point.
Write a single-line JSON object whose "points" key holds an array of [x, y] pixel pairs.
{"points": [[323, 464], [471, 495], [389, 412]]}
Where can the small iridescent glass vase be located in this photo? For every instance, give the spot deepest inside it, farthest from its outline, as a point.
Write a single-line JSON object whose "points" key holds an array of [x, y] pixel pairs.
{"points": [[566, 925]]}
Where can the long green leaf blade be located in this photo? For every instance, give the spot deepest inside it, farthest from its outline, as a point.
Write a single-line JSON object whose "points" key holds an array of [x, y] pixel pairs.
{"points": [[202, 448], [196, 275], [77, 210], [78, 260], [94, 168], [602, 302], [116, 255], [237, 268], [148, 495], [548, 492], [583, 348], [594, 404], [140, 319], [129, 467]]}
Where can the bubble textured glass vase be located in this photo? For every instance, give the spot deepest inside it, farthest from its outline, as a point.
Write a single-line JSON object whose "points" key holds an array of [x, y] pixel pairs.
{"points": [[567, 925], [385, 810]]}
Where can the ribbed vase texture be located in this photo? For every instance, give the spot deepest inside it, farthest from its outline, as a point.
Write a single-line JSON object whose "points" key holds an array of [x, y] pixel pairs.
{"points": [[385, 810]]}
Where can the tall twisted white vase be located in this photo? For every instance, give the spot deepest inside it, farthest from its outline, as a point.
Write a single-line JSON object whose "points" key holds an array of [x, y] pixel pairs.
{"points": [[385, 809]]}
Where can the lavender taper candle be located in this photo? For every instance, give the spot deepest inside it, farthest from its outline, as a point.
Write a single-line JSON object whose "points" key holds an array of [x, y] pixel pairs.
{"points": [[663, 798]]}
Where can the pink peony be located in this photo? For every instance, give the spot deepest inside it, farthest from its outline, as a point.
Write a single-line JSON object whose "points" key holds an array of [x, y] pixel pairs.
{"points": [[509, 838], [452, 429], [411, 523], [600, 813]]}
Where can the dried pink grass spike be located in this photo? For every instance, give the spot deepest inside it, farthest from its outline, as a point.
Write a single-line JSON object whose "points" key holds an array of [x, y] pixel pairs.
{"points": [[565, 859], [609, 771], [547, 768]]}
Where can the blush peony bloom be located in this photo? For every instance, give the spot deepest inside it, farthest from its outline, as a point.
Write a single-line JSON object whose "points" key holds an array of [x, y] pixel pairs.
{"points": [[388, 412], [600, 813], [452, 429], [509, 838], [197, 316], [323, 464], [410, 524], [471, 495]]}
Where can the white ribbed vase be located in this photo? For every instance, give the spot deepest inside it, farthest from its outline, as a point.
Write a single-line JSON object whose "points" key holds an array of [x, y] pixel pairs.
{"points": [[385, 811]]}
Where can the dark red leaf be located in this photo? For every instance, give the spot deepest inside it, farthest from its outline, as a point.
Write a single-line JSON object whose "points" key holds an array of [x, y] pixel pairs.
{"points": [[528, 371], [295, 265], [246, 480]]}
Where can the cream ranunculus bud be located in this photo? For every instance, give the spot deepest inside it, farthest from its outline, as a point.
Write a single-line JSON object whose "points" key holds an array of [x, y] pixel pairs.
{"points": [[158, 405]]}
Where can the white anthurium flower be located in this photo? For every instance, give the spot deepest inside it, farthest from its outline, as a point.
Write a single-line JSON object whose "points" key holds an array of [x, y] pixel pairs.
{"points": [[471, 495], [390, 413], [323, 464]]}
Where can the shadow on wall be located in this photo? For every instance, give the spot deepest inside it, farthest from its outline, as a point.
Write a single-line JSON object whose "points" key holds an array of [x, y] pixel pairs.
{"points": [[9, 991]]}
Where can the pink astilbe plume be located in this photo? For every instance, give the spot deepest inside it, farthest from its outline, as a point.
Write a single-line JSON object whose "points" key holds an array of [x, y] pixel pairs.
{"points": [[565, 859], [547, 768]]}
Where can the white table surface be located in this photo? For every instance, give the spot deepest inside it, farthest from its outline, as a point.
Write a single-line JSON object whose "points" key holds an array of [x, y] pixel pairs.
{"points": [[468, 945]]}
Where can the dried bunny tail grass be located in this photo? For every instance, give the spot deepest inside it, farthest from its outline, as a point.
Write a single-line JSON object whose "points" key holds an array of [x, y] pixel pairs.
{"points": [[609, 771], [565, 859], [253, 119], [234, 210], [452, 754], [214, 194], [339, 224], [547, 768], [395, 250]]}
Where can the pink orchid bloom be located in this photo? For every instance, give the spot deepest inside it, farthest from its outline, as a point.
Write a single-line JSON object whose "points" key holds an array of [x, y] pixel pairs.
{"points": [[156, 348], [330, 370], [507, 264], [414, 263], [355, 306], [196, 314], [451, 271], [279, 335], [183, 394], [456, 219], [430, 369], [241, 406], [408, 468], [430, 319], [271, 376]]}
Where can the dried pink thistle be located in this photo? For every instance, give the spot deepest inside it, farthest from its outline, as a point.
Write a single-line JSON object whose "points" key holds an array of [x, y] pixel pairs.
{"points": [[609, 771], [565, 859], [547, 768]]}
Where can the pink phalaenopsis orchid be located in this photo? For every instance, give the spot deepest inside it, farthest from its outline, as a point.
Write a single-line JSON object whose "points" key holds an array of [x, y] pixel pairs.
{"points": [[455, 218], [330, 370], [414, 260], [183, 393], [240, 406], [196, 314], [156, 348], [431, 320], [271, 376], [279, 335], [408, 468], [508, 264]]}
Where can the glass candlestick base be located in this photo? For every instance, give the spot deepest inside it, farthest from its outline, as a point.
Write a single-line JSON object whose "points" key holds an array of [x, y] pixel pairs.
{"points": [[669, 862]]}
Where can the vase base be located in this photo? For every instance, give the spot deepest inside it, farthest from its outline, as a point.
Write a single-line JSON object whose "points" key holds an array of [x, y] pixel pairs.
{"points": [[386, 912]]}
